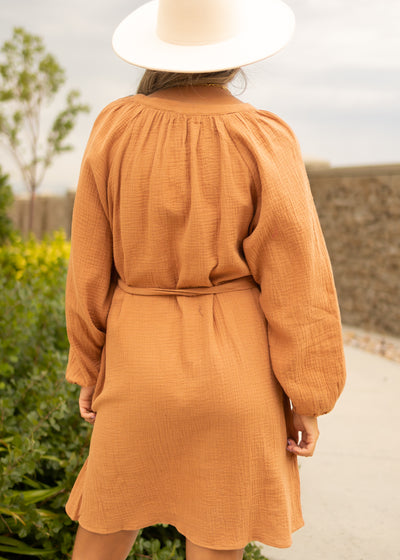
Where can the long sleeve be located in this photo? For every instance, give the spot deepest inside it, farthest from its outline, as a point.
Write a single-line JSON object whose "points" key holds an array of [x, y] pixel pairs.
{"points": [[91, 274], [287, 255]]}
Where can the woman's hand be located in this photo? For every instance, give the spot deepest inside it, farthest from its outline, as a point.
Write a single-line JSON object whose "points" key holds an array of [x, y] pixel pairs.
{"points": [[308, 426], [85, 404]]}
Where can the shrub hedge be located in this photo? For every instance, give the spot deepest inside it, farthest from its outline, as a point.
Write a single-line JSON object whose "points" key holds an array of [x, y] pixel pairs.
{"points": [[6, 200], [43, 440]]}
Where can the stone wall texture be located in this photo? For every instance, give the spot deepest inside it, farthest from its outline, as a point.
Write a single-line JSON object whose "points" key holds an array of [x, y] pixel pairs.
{"points": [[359, 210], [50, 213]]}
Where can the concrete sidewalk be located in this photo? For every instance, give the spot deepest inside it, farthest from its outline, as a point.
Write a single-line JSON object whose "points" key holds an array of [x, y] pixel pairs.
{"points": [[351, 486]]}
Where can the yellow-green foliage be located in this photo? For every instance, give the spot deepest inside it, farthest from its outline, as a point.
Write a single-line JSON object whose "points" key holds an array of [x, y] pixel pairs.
{"points": [[33, 257]]}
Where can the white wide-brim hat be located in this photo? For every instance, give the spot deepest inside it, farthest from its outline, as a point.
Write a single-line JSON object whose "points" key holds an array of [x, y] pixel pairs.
{"points": [[203, 35]]}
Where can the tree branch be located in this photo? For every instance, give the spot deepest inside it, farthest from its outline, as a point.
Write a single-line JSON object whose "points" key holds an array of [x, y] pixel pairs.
{"points": [[19, 161]]}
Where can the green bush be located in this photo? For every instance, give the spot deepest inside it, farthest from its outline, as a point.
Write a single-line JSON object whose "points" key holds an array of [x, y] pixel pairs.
{"points": [[43, 440], [6, 199]]}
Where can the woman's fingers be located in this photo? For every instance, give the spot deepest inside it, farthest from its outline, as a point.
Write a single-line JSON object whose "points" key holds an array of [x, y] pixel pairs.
{"points": [[87, 414], [85, 404], [308, 427], [304, 448]]}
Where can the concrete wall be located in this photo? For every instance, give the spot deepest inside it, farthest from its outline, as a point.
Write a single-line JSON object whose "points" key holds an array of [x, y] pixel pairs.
{"points": [[359, 210]]}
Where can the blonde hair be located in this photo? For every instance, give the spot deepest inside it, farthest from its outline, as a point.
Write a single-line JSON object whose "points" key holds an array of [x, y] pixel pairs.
{"points": [[153, 80]]}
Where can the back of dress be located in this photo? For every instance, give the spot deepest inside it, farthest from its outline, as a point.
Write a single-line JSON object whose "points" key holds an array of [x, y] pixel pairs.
{"points": [[191, 391], [181, 197]]}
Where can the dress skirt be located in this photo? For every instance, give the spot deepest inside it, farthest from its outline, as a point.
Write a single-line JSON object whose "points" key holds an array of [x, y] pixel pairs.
{"points": [[190, 427]]}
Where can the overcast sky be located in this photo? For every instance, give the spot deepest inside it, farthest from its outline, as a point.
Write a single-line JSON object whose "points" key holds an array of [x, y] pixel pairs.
{"points": [[337, 83]]}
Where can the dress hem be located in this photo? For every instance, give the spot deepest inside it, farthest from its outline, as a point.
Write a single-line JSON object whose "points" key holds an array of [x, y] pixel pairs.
{"points": [[263, 540]]}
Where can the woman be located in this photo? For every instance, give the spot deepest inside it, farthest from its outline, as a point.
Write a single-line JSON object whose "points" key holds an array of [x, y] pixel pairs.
{"points": [[201, 309]]}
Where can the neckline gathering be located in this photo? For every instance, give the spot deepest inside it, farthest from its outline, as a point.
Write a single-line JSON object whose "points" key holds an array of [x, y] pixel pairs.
{"points": [[192, 107]]}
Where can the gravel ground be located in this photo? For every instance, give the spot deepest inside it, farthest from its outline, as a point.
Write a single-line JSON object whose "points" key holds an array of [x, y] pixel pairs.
{"points": [[383, 345]]}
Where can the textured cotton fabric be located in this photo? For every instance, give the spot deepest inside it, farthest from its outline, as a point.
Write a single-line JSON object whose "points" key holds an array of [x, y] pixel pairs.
{"points": [[192, 392]]}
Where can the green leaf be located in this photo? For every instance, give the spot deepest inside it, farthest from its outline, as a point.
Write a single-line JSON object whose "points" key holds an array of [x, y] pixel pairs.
{"points": [[16, 515], [34, 483], [18, 547], [47, 514], [53, 458], [34, 496]]}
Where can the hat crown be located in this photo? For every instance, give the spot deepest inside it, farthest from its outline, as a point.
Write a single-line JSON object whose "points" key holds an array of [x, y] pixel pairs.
{"points": [[197, 22]]}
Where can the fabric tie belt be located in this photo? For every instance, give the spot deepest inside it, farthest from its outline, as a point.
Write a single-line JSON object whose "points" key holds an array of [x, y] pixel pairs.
{"points": [[238, 284]]}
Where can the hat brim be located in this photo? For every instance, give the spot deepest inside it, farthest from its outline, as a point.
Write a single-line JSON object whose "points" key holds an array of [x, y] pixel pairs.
{"points": [[266, 27]]}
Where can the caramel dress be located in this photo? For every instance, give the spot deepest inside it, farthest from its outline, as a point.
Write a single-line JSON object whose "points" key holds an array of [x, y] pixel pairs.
{"points": [[193, 385]]}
